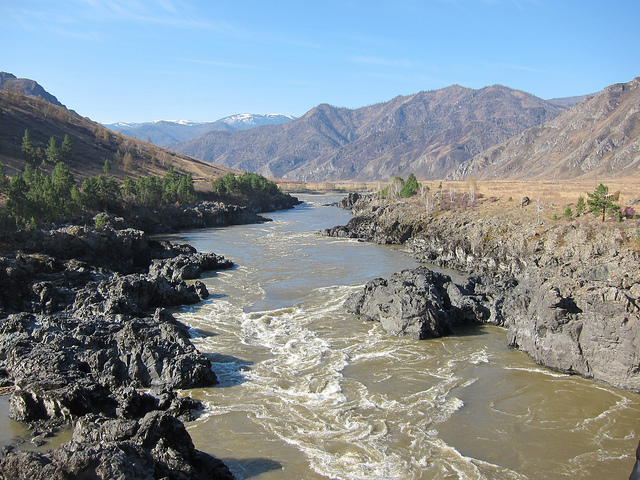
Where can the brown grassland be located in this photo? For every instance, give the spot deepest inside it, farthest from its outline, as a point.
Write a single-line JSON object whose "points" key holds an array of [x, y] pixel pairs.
{"points": [[501, 200]]}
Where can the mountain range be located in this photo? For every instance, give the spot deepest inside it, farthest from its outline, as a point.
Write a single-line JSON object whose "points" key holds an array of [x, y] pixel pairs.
{"points": [[598, 137], [165, 132], [453, 133], [429, 134]]}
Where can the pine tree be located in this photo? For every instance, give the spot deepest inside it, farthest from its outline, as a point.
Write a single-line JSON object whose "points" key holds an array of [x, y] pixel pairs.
{"points": [[52, 152], [127, 162], [600, 202], [28, 152], [580, 206], [65, 150]]}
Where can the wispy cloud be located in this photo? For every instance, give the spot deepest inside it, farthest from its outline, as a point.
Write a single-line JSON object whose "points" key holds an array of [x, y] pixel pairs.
{"points": [[385, 62], [509, 66], [217, 63], [175, 13]]}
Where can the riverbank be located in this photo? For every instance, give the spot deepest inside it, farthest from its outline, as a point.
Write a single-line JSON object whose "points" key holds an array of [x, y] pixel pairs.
{"points": [[567, 291], [86, 342]]}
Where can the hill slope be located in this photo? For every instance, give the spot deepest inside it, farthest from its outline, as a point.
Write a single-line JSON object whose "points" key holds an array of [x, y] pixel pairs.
{"points": [[428, 133], [598, 137], [165, 132], [92, 144]]}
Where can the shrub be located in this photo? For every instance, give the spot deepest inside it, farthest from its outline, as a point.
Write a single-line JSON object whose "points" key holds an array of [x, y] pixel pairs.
{"points": [[568, 212]]}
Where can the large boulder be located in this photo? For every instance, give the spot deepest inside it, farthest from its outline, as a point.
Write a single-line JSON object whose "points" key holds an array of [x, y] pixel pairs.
{"points": [[415, 303]]}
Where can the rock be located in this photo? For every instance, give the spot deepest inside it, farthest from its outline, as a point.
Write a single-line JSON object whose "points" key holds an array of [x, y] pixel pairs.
{"points": [[187, 267], [414, 303], [349, 201], [134, 294], [155, 446]]}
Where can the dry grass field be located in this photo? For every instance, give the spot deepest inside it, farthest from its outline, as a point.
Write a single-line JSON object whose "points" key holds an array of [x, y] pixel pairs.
{"points": [[501, 200], [554, 195]]}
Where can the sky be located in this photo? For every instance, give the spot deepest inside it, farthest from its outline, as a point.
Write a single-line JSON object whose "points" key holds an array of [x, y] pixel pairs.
{"points": [[202, 60]]}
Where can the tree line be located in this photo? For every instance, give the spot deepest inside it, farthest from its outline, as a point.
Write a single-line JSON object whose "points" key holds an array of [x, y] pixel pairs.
{"points": [[32, 197], [246, 185]]}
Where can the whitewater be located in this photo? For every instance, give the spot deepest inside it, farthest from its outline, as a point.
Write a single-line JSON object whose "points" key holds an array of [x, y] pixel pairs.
{"points": [[309, 391]]}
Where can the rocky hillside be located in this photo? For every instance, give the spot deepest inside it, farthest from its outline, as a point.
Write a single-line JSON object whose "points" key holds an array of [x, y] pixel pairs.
{"points": [[599, 137], [166, 132], [92, 143], [428, 133]]}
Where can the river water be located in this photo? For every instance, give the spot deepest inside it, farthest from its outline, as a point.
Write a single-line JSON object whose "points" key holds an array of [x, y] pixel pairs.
{"points": [[309, 391]]}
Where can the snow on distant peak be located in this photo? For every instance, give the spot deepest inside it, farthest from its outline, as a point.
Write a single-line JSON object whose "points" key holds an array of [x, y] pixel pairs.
{"points": [[246, 120]]}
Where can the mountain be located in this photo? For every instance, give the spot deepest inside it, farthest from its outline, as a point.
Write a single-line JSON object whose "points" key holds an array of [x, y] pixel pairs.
{"points": [[429, 133], [598, 137], [27, 87], [165, 132], [568, 102], [92, 143]]}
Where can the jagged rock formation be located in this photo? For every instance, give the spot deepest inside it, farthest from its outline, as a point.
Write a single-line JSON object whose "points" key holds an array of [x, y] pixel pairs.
{"points": [[599, 136], [568, 293], [154, 446], [417, 303], [82, 329], [428, 133]]}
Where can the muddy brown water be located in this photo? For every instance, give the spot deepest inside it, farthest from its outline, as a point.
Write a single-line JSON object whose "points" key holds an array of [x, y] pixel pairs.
{"points": [[308, 391]]}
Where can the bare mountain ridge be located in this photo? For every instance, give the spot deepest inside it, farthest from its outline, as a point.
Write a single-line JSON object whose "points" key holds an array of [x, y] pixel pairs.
{"points": [[27, 87], [599, 136], [429, 133]]}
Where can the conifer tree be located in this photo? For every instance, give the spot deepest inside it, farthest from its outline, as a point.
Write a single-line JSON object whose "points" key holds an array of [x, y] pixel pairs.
{"points": [[28, 152], [65, 150], [600, 202], [52, 152]]}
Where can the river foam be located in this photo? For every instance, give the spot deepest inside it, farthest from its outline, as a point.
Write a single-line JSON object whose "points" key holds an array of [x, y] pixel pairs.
{"points": [[309, 391]]}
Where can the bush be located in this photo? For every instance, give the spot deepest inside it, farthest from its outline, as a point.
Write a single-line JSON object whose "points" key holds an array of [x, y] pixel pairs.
{"points": [[567, 212]]}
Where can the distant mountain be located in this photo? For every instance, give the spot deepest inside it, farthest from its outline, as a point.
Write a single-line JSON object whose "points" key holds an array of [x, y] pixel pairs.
{"points": [[599, 136], [165, 132], [428, 133], [26, 87], [568, 102]]}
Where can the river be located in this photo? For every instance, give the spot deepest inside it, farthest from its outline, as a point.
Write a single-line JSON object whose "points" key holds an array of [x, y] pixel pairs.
{"points": [[308, 391]]}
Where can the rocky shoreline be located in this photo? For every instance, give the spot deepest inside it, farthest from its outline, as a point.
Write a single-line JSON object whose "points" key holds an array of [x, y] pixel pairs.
{"points": [[568, 292], [86, 342]]}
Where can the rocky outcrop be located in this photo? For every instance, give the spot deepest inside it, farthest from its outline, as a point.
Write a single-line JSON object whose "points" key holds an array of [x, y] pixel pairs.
{"points": [[180, 217], [154, 446], [417, 303], [82, 330], [568, 292]]}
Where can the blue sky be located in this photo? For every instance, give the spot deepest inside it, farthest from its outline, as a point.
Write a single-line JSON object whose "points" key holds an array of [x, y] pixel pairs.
{"points": [[143, 60]]}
